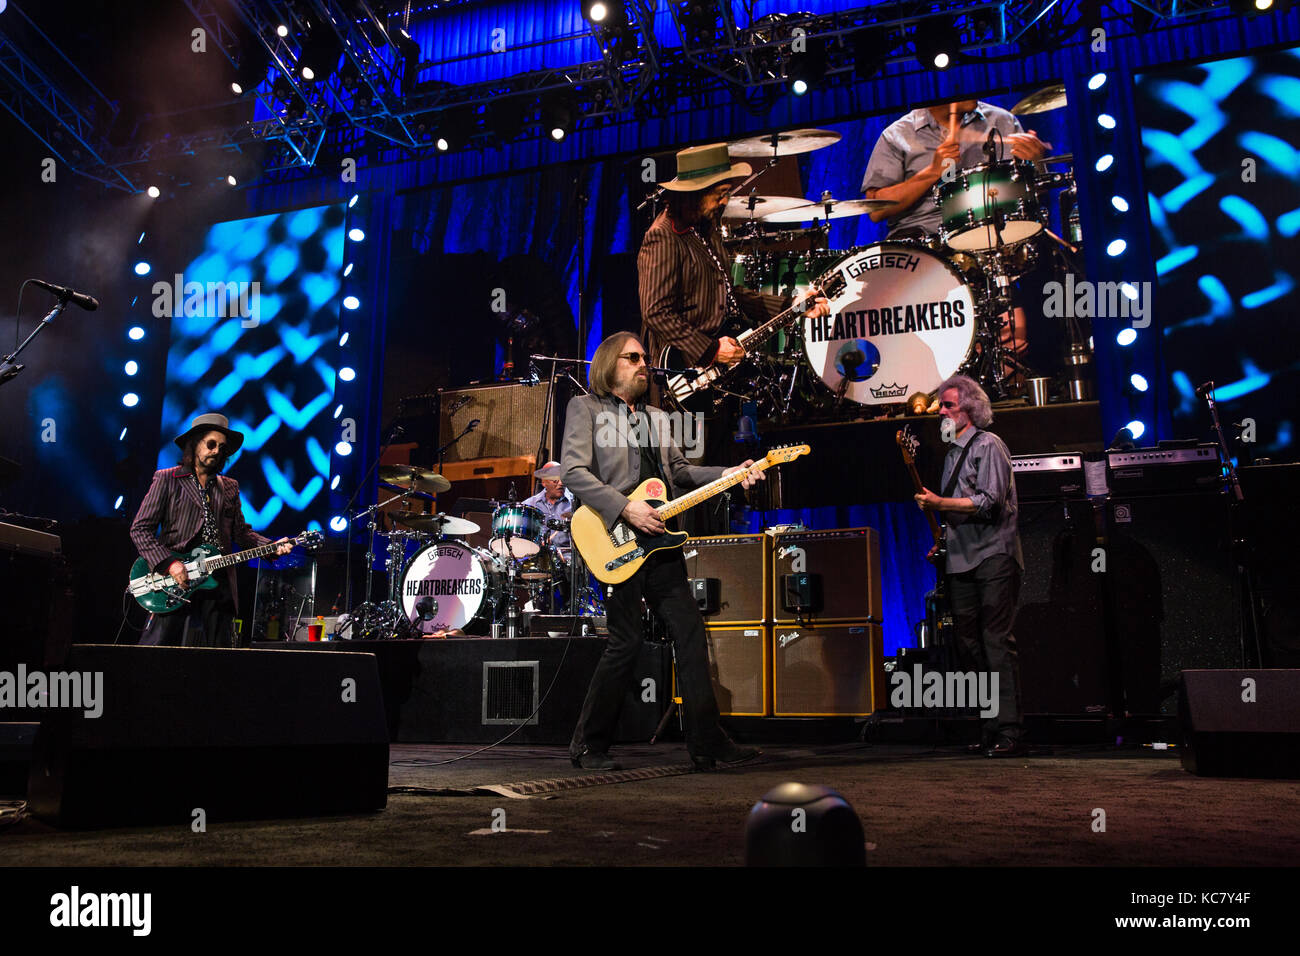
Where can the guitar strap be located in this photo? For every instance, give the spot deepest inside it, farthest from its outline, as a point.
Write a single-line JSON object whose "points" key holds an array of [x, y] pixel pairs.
{"points": [[949, 488]]}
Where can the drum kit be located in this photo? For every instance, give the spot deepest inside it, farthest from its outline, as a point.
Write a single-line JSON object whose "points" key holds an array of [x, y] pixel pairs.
{"points": [[911, 312], [450, 586]]}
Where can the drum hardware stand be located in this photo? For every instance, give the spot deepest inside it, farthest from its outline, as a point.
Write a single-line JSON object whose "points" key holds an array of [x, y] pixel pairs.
{"points": [[394, 432]]}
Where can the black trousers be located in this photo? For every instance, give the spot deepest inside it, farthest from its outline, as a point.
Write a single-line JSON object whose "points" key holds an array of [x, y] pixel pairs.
{"points": [[983, 611], [662, 583], [211, 610]]}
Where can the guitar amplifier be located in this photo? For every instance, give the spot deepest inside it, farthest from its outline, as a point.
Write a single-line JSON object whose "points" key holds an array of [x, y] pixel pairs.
{"points": [[1048, 476], [1164, 469], [828, 670], [739, 670], [826, 576], [739, 566], [510, 418]]}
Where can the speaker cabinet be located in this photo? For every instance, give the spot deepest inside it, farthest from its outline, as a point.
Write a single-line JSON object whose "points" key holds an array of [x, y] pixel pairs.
{"points": [[739, 563], [237, 734], [1060, 625], [843, 568], [1240, 723], [738, 666], [510, 422], [828, 670]]}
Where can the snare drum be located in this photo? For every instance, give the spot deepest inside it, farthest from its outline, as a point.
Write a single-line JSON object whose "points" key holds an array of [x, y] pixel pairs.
{"points": [[518, 530], [969, 203], [904, 322], [450, 584]]}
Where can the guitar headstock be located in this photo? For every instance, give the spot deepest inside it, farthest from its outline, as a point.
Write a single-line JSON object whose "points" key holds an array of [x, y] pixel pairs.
{"points": [[908, 443], [311, 540], [784, 453]]}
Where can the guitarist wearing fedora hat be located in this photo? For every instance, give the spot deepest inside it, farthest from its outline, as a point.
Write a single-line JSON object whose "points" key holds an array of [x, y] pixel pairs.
{"points": [[192, 504]]}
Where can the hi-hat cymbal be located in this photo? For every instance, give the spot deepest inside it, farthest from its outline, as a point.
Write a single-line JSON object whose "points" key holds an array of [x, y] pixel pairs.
{"points": [[436, 524], [738, 207], [1041, 101], [416, 479], [838, 209], [790, 143]]}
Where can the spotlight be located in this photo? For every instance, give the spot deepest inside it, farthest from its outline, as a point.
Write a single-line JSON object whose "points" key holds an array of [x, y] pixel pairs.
{"points": [[308, 73], [320, 53], [347, 374], [338, 410], [936, 42], [131, 367], [154, 192], [1130, 291], [142, 268], [1116, 248], [353, 201], [356, 234], [597, 11], [282, 30], [1106, 121], [455, 129], [232, 180], [351, 302], [343, 339], [1105, 162], [347, 270], [1136, 428], [807, 69], [343, 449], [557, 116], [130, 399], [1120, 203], [118, 503], [334, 482], [135, 334], [338, 523], [253, 63], [1126, 337], [1096, 81], [122, 436], [1138, 382]]}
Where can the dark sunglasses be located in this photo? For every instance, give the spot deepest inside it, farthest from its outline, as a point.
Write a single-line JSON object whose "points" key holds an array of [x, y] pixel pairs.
{"points": [[216, 445], [636, 358]]}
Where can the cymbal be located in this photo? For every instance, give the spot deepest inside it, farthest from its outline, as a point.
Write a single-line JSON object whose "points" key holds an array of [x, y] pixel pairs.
{"points": [[839, 209], [1041, 101], [417, 479], [436, 524], [1061, 158], [738, 206], [789, 143]]}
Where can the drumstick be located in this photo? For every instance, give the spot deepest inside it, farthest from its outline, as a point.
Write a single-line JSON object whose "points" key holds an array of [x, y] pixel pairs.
{"points": [[952, 121]]}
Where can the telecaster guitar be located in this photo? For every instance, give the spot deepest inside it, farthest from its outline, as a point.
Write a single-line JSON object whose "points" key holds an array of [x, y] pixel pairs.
{"points": [[160, 594], [615, 554]]}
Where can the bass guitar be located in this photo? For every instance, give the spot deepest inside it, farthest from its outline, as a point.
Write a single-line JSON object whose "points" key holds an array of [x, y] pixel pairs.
{"points": [[159, 593], [938, 610], [615, 554]]}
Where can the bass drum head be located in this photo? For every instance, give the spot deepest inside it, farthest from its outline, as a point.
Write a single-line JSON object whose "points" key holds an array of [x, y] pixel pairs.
{"points": [[448, 585], [904, 322]]}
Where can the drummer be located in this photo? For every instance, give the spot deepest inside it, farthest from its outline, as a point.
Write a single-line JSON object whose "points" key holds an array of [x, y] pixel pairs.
{"points": [[554, 500], [912, 152]]}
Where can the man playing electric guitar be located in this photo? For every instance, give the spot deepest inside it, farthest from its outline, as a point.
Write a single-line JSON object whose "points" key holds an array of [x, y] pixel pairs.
{"points": [[189, 505], [613, 442], [983, 558]]}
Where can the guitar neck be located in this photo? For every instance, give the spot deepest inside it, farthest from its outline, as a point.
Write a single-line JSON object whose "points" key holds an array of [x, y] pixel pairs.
{"points": [[705, 492], [761, 333], [226, 560], [935, 532]]}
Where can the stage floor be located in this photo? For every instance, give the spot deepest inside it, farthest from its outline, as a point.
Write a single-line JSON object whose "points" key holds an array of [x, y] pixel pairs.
{"points": [[919, 806]]}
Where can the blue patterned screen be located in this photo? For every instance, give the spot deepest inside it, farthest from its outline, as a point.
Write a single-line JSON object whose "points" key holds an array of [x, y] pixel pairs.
{"points": [[1225, 246], [274, 379]]}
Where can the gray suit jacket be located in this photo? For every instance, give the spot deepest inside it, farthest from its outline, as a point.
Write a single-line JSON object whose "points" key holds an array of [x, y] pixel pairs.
{"points": [[602, 462]]}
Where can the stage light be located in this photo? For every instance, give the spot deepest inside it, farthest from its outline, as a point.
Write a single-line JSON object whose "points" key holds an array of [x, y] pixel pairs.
{"points": [[1105, 162], [154, 192], [1139, 382], [351, 302], [1126, 336], [308, 73], [122, 436], [807, 69], [131, 367], [343, 449], [1263, 4], [557, 116], [343, 339], [347, 374], [1106, 121], [136, 333], [1096, 81], [1130, 291], [353, 201], [442, 144], [356, 234], [334, 483], [130, 399], [1116, 248], [338, 410], [253, 63], [799, 87], [232, 180], [282, 30], [596, 11], [347, 269], [1136, 428], [142, 268], [936, 43], [1120, 203], [338, 523], [118, 503]]}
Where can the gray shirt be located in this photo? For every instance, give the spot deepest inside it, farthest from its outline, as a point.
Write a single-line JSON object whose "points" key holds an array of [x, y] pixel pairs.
{"points": [[985, 479], [907, 146], [558, 510]]}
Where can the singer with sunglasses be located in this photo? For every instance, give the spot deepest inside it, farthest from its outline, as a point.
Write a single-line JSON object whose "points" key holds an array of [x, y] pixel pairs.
{"points": [[188, 505], [613, 441]]}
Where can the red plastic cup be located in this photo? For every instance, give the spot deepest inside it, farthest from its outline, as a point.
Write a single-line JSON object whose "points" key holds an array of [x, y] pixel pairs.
{"points": [[314, 631]]}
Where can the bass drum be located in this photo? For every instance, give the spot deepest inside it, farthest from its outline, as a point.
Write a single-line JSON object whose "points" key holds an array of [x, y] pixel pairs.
{"points": [[450, 584], [905, 321]]}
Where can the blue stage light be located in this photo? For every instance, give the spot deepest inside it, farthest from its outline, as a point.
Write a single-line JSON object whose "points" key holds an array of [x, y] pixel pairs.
{"points": [[347, 374], [799, 87], [118, 503], [343, 449], [1096, 81], [1138, 381], [1120, 203], [356, 235], [1137, 428], [142, 268], [130, 399], [1106, 121], [122, 437], [334, 482], [1130, 291], [1116, 247], [343, 339], [351, 302], [1105, 162], [135, 333], [132, 367], [353, 201], [1127, 336], [154, 192], [347, 270], [338, 523], [338, 410]]}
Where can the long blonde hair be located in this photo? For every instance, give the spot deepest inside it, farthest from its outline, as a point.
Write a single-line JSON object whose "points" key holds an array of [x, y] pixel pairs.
{"points": [[604, 363]]}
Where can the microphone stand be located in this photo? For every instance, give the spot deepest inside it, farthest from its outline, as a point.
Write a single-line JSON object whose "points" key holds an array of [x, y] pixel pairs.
{"points": [[7, 367]]}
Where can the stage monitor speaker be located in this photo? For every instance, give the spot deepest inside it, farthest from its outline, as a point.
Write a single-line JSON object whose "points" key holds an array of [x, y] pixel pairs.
{"points": [[1240, 723], [1060, 626], [828, 670], [738, 666], [236, 734], [842, 565], [510, 422], [738, 563]]}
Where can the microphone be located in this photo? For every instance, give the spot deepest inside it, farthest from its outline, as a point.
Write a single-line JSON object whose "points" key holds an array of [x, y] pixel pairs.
{"points": [[87, 302], [1205, 389], [988, 147], [473, 424], [690, 374]]}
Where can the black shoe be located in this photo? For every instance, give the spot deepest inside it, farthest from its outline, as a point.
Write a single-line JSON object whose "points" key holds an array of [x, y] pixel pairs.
{"points": [[1008, 747], [594, 760], [728, 752]]}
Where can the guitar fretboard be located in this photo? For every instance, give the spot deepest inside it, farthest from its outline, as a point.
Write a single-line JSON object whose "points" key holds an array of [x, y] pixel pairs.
{"points": [[705, 492], [226, 560]]}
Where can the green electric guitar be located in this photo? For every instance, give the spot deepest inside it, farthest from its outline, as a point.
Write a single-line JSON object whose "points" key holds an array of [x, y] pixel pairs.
{"points": [[159, 592]]}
